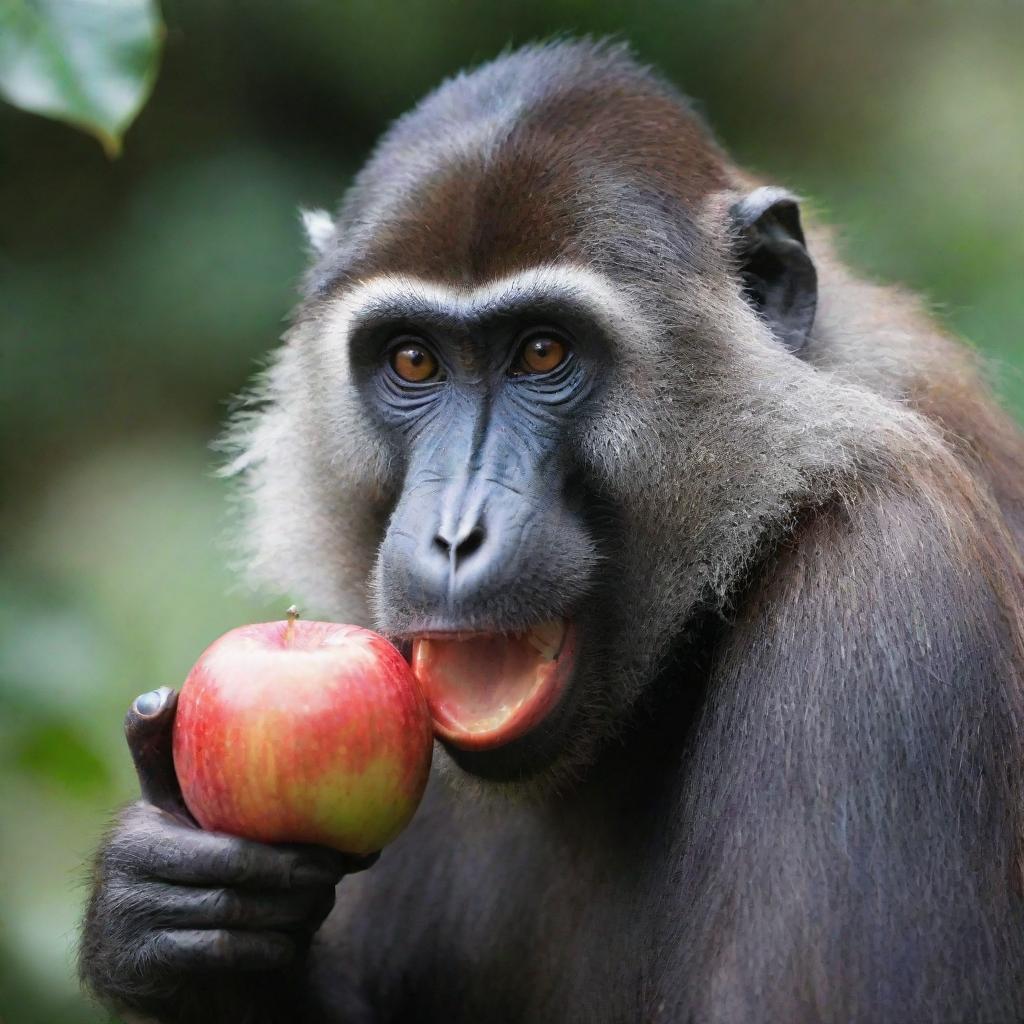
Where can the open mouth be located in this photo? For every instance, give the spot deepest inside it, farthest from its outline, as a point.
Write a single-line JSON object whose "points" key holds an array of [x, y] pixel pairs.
{"points": [[486, 689]]}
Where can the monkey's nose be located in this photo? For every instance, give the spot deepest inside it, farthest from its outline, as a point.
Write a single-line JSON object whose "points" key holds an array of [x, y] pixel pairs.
{"points": [[460, 544]]}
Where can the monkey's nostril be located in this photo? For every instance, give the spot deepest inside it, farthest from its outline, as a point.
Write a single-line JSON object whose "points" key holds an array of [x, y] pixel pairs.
{"points": [[464, 547], [470, 543]]}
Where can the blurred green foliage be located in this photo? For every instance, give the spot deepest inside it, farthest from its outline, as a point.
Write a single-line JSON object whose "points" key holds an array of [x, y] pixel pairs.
{"points": [[137, 296]]}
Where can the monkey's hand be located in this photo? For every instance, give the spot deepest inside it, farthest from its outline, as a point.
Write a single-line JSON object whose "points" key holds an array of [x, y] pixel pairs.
{"points": [[187, 925]]}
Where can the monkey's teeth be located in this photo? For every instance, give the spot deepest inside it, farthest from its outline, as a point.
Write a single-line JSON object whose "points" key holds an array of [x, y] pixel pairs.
{"points": [[547, 639]]}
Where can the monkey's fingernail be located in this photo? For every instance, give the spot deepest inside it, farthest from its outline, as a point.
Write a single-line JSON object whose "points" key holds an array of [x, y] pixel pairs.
{"points": [[149, 704]]}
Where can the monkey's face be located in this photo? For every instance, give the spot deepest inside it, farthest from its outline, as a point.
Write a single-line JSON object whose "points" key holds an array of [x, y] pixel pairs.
{"points": [[567, 467], [541, 448], [494, 558], [536, 480]]}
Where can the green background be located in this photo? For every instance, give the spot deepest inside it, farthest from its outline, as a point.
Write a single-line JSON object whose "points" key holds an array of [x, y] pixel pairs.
{"points": [[137, 296]]}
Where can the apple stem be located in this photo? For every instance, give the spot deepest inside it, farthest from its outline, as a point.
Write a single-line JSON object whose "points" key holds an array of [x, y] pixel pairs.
{"points": [[293, 617]]}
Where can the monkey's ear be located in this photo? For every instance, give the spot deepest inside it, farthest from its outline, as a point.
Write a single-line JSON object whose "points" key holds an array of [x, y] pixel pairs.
{"points": [[779, 279], [319, 228]]}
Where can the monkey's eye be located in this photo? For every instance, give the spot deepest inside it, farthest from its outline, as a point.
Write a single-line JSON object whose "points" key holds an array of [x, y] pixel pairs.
{"points": [[413, 361], [540, 353]]}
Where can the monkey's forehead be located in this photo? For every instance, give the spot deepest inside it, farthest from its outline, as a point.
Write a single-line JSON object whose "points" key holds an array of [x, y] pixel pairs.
{"points": [[577, 291], [593, 161]]}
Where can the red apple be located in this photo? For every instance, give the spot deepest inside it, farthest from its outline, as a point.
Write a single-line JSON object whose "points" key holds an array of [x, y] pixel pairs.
{"points": [[307, 732]]}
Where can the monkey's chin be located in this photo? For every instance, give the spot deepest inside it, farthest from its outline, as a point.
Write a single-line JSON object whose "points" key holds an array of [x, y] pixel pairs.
{"points": [[487, 689]]}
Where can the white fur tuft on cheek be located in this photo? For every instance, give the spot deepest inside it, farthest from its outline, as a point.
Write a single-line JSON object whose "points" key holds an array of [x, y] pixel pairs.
{"points": [[319, 228]]}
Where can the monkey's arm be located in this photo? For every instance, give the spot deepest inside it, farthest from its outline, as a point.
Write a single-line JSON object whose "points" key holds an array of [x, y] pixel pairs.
{"points": [[854, 804], [190, 926]]}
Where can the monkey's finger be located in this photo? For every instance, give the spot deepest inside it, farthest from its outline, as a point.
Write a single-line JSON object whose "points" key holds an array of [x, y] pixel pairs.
{"points": [[148, 729], [160, 846], [221, 949], [278, 910], [334, 860]]}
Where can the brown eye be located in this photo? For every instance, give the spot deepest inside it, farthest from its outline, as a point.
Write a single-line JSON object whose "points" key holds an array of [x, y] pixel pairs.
{"points": [[413, 362], [541, 354]]}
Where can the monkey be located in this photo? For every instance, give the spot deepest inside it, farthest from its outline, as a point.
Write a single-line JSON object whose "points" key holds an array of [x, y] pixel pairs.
{"points": [[708, 554]]}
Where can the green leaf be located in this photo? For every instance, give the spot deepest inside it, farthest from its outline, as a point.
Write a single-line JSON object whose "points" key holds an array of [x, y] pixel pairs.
{"points": [[91, 63]]}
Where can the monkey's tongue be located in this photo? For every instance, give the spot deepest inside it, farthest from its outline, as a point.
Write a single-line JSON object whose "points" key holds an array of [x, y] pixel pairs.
{"points": [[485, 690]]}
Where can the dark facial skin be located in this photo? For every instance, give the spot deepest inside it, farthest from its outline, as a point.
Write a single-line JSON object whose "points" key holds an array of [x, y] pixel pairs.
{"points": [[486, 534], [489, 533]]}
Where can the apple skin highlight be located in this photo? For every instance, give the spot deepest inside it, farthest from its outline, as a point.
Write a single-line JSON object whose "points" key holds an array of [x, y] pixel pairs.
{"points": [[308, 732]]}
